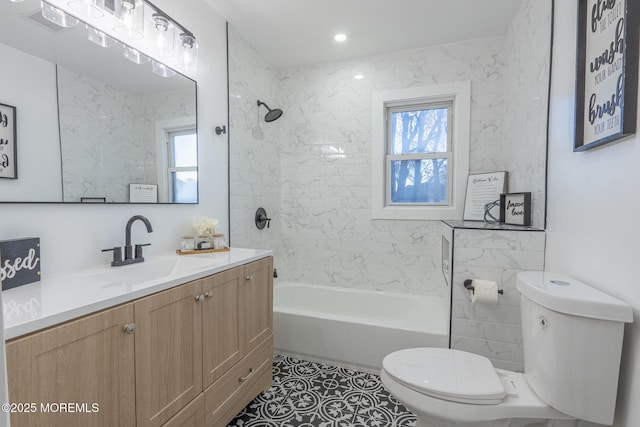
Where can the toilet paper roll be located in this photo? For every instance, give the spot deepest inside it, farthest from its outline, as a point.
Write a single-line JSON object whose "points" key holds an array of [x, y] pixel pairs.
{"points": [[485, 292]]}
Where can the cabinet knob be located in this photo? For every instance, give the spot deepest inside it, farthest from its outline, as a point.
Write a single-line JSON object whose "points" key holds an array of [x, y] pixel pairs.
{"points": [[208, 295], [199, 298], [130, 328], [250, 278]]}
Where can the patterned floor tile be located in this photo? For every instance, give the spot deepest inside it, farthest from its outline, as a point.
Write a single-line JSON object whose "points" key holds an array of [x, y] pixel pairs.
{"points": [[310, 394]]}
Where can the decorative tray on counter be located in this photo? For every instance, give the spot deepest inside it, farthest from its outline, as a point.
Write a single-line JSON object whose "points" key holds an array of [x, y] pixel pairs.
{"points": [[201, 251]]}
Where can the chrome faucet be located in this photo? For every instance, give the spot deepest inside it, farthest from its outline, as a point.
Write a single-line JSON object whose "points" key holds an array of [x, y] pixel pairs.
{"points": [[130, 256]]}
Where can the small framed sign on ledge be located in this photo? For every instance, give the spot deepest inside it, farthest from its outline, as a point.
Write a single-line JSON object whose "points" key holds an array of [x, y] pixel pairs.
{"points": [[606, 71], [515, 208]]}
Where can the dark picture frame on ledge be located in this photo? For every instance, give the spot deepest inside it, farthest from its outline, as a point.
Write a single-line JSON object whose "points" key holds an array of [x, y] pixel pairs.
{"points": [[606, 72], [515, 208], [8, 143]]}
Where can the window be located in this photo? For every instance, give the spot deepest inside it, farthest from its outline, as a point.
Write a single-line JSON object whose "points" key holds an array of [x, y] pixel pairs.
{"points": [[182, 156], [177, 153], [421, 152]]}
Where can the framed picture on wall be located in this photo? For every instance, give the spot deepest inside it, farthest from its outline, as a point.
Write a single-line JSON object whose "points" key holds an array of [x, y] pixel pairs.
{"points": [[606, 71], [8, 155]]}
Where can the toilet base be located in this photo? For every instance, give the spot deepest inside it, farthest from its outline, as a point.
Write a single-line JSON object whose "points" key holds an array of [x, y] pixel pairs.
{"points": [[498, 423]]}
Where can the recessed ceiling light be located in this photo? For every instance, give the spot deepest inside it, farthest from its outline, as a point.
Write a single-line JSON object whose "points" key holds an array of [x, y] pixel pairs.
{"points": [[359, 76], [340, 37]]}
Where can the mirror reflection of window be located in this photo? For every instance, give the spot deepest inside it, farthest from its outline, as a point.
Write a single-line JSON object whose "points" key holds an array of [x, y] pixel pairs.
{"points": [[182, 156]]}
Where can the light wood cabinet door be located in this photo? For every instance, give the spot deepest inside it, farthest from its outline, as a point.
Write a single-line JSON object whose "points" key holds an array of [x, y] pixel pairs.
{"points": [[191, 416], [223, 344], [88, 362], [168, 352], [256, 296]]}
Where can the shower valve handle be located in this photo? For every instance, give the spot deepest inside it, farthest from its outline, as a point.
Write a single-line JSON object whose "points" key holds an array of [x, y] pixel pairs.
{"points": [[264, 218], [261, 219]]}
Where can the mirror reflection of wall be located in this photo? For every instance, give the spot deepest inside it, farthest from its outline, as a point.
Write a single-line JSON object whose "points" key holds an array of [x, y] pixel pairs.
{"points": [[108, 138], [115, 117]]}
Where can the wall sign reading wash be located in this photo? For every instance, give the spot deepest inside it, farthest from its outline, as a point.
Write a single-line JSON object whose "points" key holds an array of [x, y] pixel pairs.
{"points": [[607, 71], [19, 262]]}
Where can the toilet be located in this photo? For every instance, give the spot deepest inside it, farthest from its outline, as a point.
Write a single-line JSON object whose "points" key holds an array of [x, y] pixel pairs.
{"points": [[572, 339]]}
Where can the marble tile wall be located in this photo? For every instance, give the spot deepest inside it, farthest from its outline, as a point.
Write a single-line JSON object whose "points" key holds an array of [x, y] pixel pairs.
{"points": [[253, 147], [526, 99], [492, 330], [325, 164], [91, 140]]}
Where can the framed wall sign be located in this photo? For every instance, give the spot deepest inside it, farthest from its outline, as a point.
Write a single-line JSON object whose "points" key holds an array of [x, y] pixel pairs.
{"points": [[19, 262], [515, 208], [606, 71], [8, 156], [482, 189]]}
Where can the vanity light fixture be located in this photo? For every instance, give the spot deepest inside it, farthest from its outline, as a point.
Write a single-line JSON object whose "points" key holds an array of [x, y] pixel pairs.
{"points": [[146, 31], [135, 56], [161, 69], [130, 19], [100, 38], [340, 37], [57, 16], [161, 22], [163, 33], [88, 8], [359, 76], [189, 48]]}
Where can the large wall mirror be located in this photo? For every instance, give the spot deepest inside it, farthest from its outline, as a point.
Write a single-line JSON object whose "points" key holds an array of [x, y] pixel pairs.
{"points": [[92, 126]]}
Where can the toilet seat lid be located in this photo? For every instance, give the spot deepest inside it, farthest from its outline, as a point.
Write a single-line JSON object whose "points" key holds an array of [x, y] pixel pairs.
{"points": [[447, 374]]}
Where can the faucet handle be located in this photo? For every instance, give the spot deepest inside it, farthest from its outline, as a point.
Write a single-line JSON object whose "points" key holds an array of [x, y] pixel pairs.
{"points": [[117, 255], [138, 250]]}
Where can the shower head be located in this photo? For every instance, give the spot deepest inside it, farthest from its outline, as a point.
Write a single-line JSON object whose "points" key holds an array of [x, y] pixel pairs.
{"points": [[272, 114]]}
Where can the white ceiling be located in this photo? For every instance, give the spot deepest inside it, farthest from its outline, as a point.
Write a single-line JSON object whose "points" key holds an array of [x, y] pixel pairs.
{"points": [[300, 32]]}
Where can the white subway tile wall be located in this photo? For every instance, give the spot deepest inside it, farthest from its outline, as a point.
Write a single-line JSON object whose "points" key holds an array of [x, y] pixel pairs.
{"points": [[492, 330]]}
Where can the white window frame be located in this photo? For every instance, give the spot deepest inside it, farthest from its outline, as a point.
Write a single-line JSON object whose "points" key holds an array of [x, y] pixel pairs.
{"points": [[163, 129], [458, 166]]}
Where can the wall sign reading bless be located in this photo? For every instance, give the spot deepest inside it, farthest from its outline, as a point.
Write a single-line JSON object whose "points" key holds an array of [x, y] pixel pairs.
{"points": [[19, 262], [607, 71]]}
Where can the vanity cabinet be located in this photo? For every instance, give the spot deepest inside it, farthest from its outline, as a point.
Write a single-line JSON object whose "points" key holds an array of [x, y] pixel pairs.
{"points": [[168, 352], [197, 352], [86, 362]]}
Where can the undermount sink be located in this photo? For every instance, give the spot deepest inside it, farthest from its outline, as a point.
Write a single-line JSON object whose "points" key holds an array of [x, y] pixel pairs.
{"points": [[153, 270]]}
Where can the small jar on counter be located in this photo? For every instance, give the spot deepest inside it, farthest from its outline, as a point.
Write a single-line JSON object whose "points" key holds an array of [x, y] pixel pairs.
{"points": [[219, 241], [187, 243]]}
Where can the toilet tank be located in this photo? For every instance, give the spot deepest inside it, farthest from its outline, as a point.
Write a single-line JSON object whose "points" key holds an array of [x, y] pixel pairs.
{"points": [[572, 338]]}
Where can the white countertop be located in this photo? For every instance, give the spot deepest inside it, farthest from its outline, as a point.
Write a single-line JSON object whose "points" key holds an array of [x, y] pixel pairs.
{"points": [[58, 299]]}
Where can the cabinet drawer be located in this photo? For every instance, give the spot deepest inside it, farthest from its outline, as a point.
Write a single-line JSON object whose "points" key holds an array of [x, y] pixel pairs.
{"points": [[191, 415], [239, 386]]}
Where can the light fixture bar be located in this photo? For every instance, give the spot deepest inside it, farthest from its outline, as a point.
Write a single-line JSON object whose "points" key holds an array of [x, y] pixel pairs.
{"points": [[137, 24]]}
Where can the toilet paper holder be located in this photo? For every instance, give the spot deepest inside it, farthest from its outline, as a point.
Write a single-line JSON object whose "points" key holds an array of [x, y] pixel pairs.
{"points": [[468, 284]]}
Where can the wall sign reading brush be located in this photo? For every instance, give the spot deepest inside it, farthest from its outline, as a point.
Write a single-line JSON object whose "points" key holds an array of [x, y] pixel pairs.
{"points": [[606, 71], [515, 208]]}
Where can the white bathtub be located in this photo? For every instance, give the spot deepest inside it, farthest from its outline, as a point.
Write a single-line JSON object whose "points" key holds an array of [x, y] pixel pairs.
{"points": [[354, 328]]}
